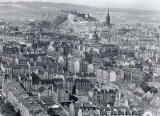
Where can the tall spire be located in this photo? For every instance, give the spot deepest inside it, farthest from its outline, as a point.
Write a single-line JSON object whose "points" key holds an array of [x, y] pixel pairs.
{"points": [[108, 11], [108, 19]]}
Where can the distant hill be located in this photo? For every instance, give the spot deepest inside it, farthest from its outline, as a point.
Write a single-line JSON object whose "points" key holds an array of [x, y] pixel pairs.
{"points": [[37, 5], [40, 5], [17, 10]]}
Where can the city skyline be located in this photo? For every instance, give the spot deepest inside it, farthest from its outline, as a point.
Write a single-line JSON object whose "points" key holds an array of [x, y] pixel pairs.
{"points": [[63, 58], [127, 4]]}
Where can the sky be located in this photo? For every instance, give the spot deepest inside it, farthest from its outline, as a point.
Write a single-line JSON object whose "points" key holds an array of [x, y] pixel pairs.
{"points": [[130, 4]]}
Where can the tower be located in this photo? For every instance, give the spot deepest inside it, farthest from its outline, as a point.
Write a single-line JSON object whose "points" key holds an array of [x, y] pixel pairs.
{"points": [[95, 37], [108, 19]]}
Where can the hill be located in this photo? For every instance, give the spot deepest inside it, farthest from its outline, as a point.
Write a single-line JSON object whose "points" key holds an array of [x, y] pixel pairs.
{"points": [[35, 10], [17, 10]]}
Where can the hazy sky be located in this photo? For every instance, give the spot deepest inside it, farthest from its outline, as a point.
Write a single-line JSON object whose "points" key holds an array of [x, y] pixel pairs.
{"points": [[133, 4]]}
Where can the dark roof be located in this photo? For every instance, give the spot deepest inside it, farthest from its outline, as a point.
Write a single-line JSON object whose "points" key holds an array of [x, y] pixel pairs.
{"points": [[112, 91], [86, 75], [41, 72], [134, 113], [128, 112], [35, 78], [121, 112], [47, 100], [70, 79], [81, 80]]}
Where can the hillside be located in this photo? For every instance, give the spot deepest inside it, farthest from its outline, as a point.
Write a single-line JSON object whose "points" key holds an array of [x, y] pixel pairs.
{"points": [[17, 10], [35, 10]]}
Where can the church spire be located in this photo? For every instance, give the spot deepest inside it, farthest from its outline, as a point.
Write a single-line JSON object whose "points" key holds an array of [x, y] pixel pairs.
{"points": [[108, 19], [108, 11]]}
